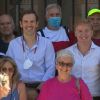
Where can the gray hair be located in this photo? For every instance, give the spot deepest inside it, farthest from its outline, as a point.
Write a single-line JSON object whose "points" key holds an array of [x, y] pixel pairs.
{"points": [[65, 53], [51, 6]]}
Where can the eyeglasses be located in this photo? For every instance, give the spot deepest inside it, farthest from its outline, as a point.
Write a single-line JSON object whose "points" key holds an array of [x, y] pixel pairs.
{"points": [[62, 64], [4, 69]]}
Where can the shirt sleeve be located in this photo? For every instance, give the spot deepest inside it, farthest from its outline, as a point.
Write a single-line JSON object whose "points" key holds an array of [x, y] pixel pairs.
{"points": [[85, 94], [43, 94], [49, 62], [10, 51]]}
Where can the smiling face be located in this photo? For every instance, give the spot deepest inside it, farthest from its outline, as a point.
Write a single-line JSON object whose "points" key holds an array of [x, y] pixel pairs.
{"points": [[84, 33], [29, 24], [8, 69], [65, 68]]}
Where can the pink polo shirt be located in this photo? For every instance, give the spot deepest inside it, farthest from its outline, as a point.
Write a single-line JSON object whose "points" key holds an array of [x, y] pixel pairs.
{"points": [[55, 90]]}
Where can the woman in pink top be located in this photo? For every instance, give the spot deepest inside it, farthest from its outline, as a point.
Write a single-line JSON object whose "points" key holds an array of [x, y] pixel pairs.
{"points": [[63, 86]]}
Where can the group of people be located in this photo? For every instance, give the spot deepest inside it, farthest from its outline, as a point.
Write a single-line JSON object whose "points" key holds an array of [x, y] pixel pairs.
{"points": [[32, 59]]}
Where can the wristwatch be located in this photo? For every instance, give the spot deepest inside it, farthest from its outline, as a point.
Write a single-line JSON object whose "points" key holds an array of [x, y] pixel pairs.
{"points": [[37, 90]]}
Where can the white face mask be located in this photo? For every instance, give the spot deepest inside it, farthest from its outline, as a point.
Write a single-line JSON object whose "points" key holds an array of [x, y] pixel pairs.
{"points": [[27, 64]]}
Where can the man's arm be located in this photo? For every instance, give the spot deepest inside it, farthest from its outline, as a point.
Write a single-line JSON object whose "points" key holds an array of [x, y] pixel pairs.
{"points": [[10, 51], [49, 62], [33, 93]]}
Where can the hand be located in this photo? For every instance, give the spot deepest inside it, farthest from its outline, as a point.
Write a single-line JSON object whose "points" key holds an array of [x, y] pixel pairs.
{"points": [[32, 95], [3, 79], [4, 90]]}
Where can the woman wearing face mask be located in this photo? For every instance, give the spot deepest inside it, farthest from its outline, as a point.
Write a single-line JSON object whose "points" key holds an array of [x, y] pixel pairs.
{"points": [[17, 89], [64, 87]]}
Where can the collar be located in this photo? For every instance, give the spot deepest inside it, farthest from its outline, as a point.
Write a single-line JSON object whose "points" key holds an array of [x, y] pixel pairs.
{"points": [[93, 46], [37, 35], [35, 46]]}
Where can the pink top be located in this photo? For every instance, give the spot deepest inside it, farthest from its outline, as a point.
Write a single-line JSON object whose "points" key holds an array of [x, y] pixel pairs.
{"points": [[56, 90]]}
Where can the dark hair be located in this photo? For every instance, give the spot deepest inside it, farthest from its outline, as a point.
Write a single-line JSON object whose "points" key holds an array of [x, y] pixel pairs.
{"points": [[29, 12]]}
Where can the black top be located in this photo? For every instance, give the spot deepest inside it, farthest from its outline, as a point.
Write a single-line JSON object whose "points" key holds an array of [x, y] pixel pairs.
{"points": [[3, 46]]}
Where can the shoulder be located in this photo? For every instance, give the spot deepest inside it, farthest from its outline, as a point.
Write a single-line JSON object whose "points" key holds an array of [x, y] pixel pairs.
{"points": [[41, 30], [71, 47], [1, 41], [78, 80], [44, 40], [66, 29], [21, 86], [82, 83], [96, 47], [14, 41], [50, 81]]}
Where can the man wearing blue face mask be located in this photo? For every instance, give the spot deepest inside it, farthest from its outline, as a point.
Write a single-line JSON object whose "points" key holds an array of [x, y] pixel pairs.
{"points": [[60, 36], [54, 22]]}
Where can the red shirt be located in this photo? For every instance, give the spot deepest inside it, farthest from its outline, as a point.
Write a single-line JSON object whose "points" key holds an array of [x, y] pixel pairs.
{"points": [[64, 44]]}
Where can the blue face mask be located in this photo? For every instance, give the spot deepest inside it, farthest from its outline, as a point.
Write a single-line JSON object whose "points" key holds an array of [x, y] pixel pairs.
{"points": [[55, 22]]}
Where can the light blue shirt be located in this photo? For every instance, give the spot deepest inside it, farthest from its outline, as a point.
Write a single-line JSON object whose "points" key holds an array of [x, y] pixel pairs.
{"points": [[43, 67]]}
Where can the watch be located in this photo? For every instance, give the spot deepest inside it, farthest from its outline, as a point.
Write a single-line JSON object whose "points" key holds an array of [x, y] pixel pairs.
{"points": [[37, 90]]}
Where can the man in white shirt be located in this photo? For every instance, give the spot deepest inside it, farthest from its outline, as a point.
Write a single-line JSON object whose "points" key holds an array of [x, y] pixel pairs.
{"points": [[87, 58], [33, 54], [60, 36]]}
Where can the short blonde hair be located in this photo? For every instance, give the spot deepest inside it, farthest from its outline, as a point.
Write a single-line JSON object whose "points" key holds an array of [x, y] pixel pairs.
{"points": [[83, 22], [16, 74]]}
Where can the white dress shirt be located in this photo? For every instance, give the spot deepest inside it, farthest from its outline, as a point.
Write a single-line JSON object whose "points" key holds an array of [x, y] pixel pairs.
{"points": [[87, 67], [43, 67]]}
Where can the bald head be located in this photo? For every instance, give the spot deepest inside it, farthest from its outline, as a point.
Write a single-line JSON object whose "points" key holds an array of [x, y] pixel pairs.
{"points": [[6, 24]]}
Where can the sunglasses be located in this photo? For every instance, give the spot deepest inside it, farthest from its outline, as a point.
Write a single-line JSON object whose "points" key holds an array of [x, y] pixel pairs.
{"points": [[62, 64], [4, 69]]}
